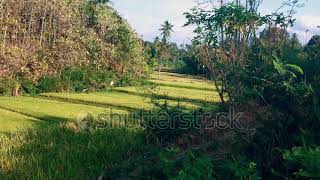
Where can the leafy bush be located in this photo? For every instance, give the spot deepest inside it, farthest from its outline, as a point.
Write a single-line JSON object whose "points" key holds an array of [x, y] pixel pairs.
{"points": [[168, 124], [78, 79], [29, 87], [236, 167], [192, 165], [72, 79], [6, 86], [50, 84], [304, 161], [128, 80], [168, 163]]}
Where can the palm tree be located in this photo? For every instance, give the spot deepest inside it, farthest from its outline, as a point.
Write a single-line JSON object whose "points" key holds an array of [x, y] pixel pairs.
{"points": [[166, 31]]}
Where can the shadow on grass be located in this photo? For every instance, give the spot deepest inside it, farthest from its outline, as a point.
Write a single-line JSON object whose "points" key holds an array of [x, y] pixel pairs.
{"points": [[89, 103], [62, 151], [47, 119], [182, 76], [197, 102], [181, 86]]}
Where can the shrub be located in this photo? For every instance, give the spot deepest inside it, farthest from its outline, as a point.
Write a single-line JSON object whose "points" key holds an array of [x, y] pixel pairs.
{"points": [[49, 84], [29, 87], [304, 161], [191, 164], [168, 163], [128, 80], [88, 78], [5, 87], [168, 124], [72, 79], [236, 167]]}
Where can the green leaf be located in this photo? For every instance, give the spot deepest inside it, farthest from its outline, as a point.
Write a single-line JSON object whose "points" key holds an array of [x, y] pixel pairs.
{"points": [[279, 67], [294, 68]]}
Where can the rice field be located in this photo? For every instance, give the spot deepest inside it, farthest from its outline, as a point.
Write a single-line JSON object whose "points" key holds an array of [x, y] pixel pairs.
{"points": [[40, 137]]}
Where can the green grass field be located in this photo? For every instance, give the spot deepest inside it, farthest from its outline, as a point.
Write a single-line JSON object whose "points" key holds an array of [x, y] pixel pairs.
{"points": [[182, 80], [15, 122], [50, 110], [178, 93], [107, 99], [39, 136]]}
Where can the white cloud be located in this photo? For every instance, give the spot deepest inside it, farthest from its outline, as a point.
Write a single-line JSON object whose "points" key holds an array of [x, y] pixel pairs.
{"points": [[305, 23], [147, 16]]}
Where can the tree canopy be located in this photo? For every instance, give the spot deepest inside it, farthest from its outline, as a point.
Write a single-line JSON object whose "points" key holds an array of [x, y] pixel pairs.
{"points": [[41, 38]]}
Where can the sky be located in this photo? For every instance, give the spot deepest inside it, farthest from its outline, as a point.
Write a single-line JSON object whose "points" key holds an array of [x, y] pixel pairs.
{"points": [[146, 17]]}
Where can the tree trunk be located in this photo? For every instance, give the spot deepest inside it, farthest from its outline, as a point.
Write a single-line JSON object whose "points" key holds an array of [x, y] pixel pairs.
{"points": [[4, 40], [215, 80], [42, 27], [29, 35], [16, 91], [159, 71]]}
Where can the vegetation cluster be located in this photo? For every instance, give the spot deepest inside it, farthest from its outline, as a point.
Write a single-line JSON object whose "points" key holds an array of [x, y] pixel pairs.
{"points": [[46, 45], [268, 75]]}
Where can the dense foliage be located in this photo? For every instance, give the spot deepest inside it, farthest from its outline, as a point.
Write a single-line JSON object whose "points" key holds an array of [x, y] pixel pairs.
{"points": [[273, 71], [270, 76], [40, 39]]}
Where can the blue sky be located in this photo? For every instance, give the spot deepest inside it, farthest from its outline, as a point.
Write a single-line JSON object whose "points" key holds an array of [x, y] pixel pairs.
{"points": [[145, 16]]}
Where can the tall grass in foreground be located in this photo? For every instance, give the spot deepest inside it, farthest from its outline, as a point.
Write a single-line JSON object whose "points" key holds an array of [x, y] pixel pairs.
{"points": [[65, 152]]}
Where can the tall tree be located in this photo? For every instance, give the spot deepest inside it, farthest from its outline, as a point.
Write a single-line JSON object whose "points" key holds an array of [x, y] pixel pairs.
{"points": [[166, 31], [227, 32]]}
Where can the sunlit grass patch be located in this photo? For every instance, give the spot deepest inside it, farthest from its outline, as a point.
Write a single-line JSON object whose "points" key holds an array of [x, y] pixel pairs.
{"points": [[207, 86], [108, 98], [176, 93], [14, 122], [139, 100], [175, 77], [182, 80], [50, 110]]}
